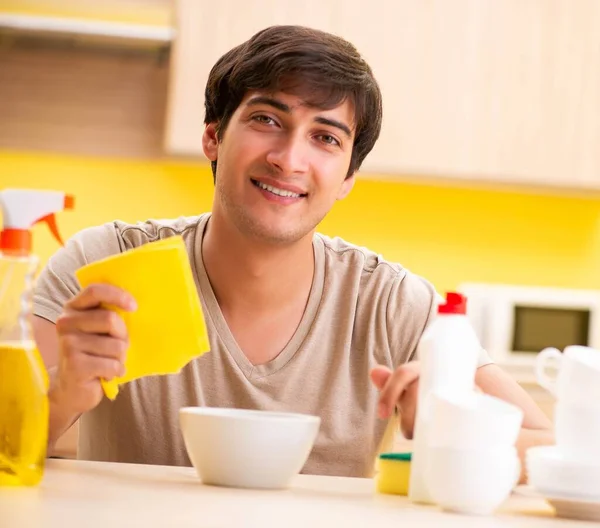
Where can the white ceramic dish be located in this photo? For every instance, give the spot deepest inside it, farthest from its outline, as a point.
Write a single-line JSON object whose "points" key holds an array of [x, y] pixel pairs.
{"points": [[567, 507], [552, 473], [247, 448]]}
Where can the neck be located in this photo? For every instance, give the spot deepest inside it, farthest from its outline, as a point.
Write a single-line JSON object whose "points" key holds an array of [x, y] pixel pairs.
{"points": [[250, 275]]}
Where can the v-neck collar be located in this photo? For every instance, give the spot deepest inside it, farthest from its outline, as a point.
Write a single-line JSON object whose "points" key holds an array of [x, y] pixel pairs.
{"points": [[216, 315]]}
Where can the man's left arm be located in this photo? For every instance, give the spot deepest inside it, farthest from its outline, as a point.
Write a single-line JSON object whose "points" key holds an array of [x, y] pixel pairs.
{"points": [[411, 306], [399, 388], [537, 428]]}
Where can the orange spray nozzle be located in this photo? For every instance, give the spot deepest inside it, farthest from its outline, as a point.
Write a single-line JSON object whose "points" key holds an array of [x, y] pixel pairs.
{"points": [[22, 208]]}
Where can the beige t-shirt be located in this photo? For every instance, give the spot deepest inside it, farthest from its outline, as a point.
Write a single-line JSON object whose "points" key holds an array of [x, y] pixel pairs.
{"points": [[362, 311]]}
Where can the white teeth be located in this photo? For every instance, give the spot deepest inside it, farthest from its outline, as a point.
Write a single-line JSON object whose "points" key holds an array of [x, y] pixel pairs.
{"points": [[279, 192]]}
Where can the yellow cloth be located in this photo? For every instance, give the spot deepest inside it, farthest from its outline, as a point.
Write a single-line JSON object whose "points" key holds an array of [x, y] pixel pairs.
{"points": [[167, 330]]}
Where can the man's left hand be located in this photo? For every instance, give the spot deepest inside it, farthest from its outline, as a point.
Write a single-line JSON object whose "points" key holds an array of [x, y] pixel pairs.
{"points": [[398, 389]]}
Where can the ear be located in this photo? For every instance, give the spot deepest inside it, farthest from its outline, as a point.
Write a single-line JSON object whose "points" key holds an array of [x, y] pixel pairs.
{"points": [[210, 142], [346, 187]]}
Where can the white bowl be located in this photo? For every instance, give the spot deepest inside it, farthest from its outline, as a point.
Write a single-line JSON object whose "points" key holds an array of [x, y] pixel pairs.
{"points": [[471, 481], [551, 472], [247, 448], [473, 420]]}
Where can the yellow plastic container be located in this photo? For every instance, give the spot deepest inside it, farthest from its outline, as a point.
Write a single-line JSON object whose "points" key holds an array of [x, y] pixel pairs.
{"points": [[24, 406], [393, 475], [23, 414], [23, 379]]}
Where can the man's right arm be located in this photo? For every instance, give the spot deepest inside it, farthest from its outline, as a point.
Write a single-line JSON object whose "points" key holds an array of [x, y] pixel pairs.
{"points": [[76, 338], [88, 343]]}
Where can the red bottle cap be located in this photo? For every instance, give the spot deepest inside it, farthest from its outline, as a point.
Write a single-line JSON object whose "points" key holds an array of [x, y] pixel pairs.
{"points": [[456, 303]]}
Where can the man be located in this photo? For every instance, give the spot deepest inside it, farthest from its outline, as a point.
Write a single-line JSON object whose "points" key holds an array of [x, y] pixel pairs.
{"points": [[297, 321]]}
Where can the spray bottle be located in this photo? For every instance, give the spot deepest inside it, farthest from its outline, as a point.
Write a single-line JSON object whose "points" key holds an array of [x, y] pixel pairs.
{"points": [[23, 377], [448, 352]]}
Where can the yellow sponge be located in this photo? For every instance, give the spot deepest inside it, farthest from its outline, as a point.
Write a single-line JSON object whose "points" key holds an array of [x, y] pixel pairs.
{"points": [[394, 473]]}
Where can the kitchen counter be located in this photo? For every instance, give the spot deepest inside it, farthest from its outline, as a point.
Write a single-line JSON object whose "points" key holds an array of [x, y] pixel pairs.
{"points": [[107, 495]]}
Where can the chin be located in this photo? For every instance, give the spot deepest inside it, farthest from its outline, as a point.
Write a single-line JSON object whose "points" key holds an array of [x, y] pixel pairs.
{"points": [[268, 228], [271, 233]]}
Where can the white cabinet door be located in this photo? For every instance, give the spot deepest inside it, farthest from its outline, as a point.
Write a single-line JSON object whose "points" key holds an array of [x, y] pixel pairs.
{"points": [[496, 90]]}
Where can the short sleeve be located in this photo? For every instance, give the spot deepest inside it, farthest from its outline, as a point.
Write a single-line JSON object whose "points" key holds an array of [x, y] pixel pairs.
{"points": [[57, 283], [412, 306]]}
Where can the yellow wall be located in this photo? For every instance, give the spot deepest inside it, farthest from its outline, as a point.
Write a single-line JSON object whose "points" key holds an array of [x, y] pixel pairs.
{"points": [[448, 235]]}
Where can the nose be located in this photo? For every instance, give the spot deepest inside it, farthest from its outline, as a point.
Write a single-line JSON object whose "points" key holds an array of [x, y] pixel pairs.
{"points": [[289, 156]]}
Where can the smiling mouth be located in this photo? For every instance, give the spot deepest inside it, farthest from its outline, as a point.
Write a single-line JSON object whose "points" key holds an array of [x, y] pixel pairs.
{"points": [[277, 191]]}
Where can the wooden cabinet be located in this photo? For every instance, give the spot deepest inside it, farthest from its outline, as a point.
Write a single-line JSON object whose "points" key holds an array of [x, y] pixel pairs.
{"points": [[73, 100], [504, 91], [128, 12], [84, 77], [473, 89]]}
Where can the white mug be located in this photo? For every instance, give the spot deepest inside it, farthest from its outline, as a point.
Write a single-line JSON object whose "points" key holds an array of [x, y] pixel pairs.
{"points": [[577, 430], [578, 379]]}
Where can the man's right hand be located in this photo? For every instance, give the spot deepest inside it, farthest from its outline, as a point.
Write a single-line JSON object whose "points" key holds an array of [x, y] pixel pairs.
{"points": [[92, 343]]}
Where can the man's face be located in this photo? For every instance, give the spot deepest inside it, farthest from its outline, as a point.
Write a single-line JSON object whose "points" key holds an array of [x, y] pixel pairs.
{"points": [[281, 165]]}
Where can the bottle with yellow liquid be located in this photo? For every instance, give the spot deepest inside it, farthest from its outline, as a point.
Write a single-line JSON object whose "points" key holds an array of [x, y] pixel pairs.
{"points": [[23, 377]]}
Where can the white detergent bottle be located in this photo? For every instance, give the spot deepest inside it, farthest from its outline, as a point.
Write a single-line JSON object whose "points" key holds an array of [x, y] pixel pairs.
{"points": [[448, 352]]}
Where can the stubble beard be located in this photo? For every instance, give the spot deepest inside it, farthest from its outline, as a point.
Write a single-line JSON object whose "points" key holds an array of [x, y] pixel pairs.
{"points": [[252, 227]]}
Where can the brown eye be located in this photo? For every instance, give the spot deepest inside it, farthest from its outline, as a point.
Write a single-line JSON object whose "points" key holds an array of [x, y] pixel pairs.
{"points": [[263, 119], [328, 140]]}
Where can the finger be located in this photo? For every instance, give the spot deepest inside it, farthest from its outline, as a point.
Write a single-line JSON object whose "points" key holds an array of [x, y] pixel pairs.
{"points": [[379, 376], [398, 382], [95, 345], [97, 295], [83, 368], [96, 321], [407, 406]]}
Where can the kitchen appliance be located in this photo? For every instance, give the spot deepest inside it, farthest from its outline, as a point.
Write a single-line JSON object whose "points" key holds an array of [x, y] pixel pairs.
{"points": [[515, 323]]}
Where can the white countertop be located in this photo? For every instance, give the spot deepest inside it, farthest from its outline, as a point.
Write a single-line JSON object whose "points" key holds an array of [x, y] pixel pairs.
{"points": [[96, 494]]}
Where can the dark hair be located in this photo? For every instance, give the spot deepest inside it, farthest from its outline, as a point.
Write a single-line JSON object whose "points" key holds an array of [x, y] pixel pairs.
{"points": [[320, 67]]}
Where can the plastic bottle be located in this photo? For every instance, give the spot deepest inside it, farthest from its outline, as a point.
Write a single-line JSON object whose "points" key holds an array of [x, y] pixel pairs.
{"points": [[448, 352], [23, 377]]}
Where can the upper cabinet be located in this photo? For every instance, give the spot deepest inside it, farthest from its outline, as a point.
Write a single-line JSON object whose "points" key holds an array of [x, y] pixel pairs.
{"points": [[473, 89], [85, 77], [157, 13]]}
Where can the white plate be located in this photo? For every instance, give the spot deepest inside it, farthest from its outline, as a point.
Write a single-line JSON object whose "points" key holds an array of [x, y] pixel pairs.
{"points": [[568, 507], [554, 474]]}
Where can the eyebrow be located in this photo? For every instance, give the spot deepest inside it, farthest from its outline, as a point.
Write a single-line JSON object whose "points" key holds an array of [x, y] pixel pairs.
{"points": [[263, 100], [337, 124]]}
